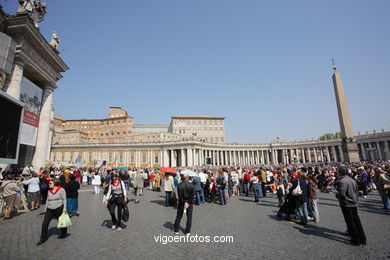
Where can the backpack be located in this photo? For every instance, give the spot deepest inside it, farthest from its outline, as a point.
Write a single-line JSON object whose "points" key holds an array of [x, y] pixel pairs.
{"points": [[43, 185], [221, 181]]}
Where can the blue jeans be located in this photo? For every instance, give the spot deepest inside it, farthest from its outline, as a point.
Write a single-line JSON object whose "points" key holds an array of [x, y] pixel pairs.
{"points": [[256, 191], [127, 184], [168, 195], [314, 210], [222, 196], [246, 188], [385, 198], [199, 196], [302, 211]]}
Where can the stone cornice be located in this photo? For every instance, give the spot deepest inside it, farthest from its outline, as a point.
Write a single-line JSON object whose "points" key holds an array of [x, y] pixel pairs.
{"points": [[34, 50]]}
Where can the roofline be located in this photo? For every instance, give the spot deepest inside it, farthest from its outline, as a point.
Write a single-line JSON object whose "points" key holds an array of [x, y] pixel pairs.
{"points": [[197, 117]]}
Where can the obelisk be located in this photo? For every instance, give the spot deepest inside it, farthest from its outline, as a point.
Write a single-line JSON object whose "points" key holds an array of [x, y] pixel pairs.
{"points": [[349, 145]]}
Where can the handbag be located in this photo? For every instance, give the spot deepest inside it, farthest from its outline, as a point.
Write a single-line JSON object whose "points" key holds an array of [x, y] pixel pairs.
{"points": [[64, 221], [173, 200], [297, 191], [125, 213]]}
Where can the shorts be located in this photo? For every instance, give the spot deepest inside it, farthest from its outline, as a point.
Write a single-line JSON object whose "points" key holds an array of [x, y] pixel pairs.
{"points": [[34, 196]]}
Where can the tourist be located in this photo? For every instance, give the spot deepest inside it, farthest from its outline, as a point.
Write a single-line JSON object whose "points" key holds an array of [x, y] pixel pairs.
{"points": [[44, 186], [247, 179], [72, 196], [280, 188], [152, 182], [186, 196], [96, 182], [138, 185], [363, 176], [10, 189], [263, 189], [115, 198], [199, 195], [157, 180], [300, 199], [255, 184], [168, 188], [33, 193], [235, 183], [55, 206], [383, 186], [221, 186], [347, 194], [312, 196]]}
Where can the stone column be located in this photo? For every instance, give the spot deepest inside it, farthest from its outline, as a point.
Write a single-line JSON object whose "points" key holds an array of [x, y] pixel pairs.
{"points": [[189, 157], [42, 143], [378, 148], [303, 155], [364, 157], [387, 151], [341, 153], [334, 153], [267, 156], [13, 87], [315, 154], [183, 162]]}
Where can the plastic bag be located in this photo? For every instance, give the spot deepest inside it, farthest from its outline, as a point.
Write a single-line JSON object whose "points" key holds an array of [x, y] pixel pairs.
{"points": [[64, 221]]}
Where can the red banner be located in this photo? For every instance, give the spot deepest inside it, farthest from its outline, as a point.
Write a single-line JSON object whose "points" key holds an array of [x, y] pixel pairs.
{"points": [[30, 118]]}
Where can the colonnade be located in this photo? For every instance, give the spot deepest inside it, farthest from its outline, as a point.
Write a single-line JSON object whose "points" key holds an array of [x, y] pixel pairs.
{"points": [[197, 156]]}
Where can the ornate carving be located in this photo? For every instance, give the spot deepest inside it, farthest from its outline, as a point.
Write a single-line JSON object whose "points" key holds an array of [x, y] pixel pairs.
{"points": [[36, 10], [34, 56]]}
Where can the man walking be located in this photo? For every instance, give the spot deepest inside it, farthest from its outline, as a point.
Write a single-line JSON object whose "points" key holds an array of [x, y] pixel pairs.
{"points": [[347, 194], [138, 185], [186, 196]]}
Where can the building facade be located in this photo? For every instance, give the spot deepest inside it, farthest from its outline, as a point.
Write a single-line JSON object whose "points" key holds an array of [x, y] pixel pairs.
{"points": [[29, 70], [203, 128], [196, 153]]}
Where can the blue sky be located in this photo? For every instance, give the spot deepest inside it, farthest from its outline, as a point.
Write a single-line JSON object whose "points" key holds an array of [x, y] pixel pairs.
{"points": [[263, 65]]}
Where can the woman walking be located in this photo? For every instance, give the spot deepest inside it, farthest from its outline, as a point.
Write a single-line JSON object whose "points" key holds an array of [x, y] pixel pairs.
{"points": [[96, 182], [72, 195], [33, 193], [55, 206], [116, 197], [10, 188]]}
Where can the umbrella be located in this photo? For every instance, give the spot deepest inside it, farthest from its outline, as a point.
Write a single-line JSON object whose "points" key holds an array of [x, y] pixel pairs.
{"points": [[189, 172], [168, 170]]}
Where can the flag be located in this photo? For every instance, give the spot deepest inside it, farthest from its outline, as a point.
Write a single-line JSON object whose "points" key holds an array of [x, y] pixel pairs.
{"points": [[78, 161]]}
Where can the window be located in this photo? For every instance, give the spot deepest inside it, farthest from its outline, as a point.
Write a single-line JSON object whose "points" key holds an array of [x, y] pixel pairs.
{"points": [[132, 159], [156, 158], [144, 159]]}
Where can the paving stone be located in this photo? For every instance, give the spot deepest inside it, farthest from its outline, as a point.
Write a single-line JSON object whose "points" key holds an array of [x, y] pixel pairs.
{"points": [[257, 233]]}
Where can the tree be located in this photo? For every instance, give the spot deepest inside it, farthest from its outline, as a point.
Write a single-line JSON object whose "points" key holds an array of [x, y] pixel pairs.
{"points": [[329, 136]]}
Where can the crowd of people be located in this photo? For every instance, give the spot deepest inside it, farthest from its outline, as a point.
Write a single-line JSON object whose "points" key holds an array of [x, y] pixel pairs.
{"points": [[295, 187]]}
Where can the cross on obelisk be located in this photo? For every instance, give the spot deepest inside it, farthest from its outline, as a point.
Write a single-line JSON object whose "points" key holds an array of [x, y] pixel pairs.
{"points": [[349, 145]]}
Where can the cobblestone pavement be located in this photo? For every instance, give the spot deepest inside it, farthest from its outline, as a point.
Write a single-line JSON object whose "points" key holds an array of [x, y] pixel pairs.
{"points": [[257, 233]]}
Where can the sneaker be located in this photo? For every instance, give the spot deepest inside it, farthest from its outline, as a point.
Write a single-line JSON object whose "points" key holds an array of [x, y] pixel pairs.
{"points": [[119, 229], [310, 218], [176, 232], [113, 227]]}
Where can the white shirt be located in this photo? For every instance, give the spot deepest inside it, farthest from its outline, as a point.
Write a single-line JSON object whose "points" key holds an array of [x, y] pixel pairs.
{"points": [[203, 177], [96, 180]]}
